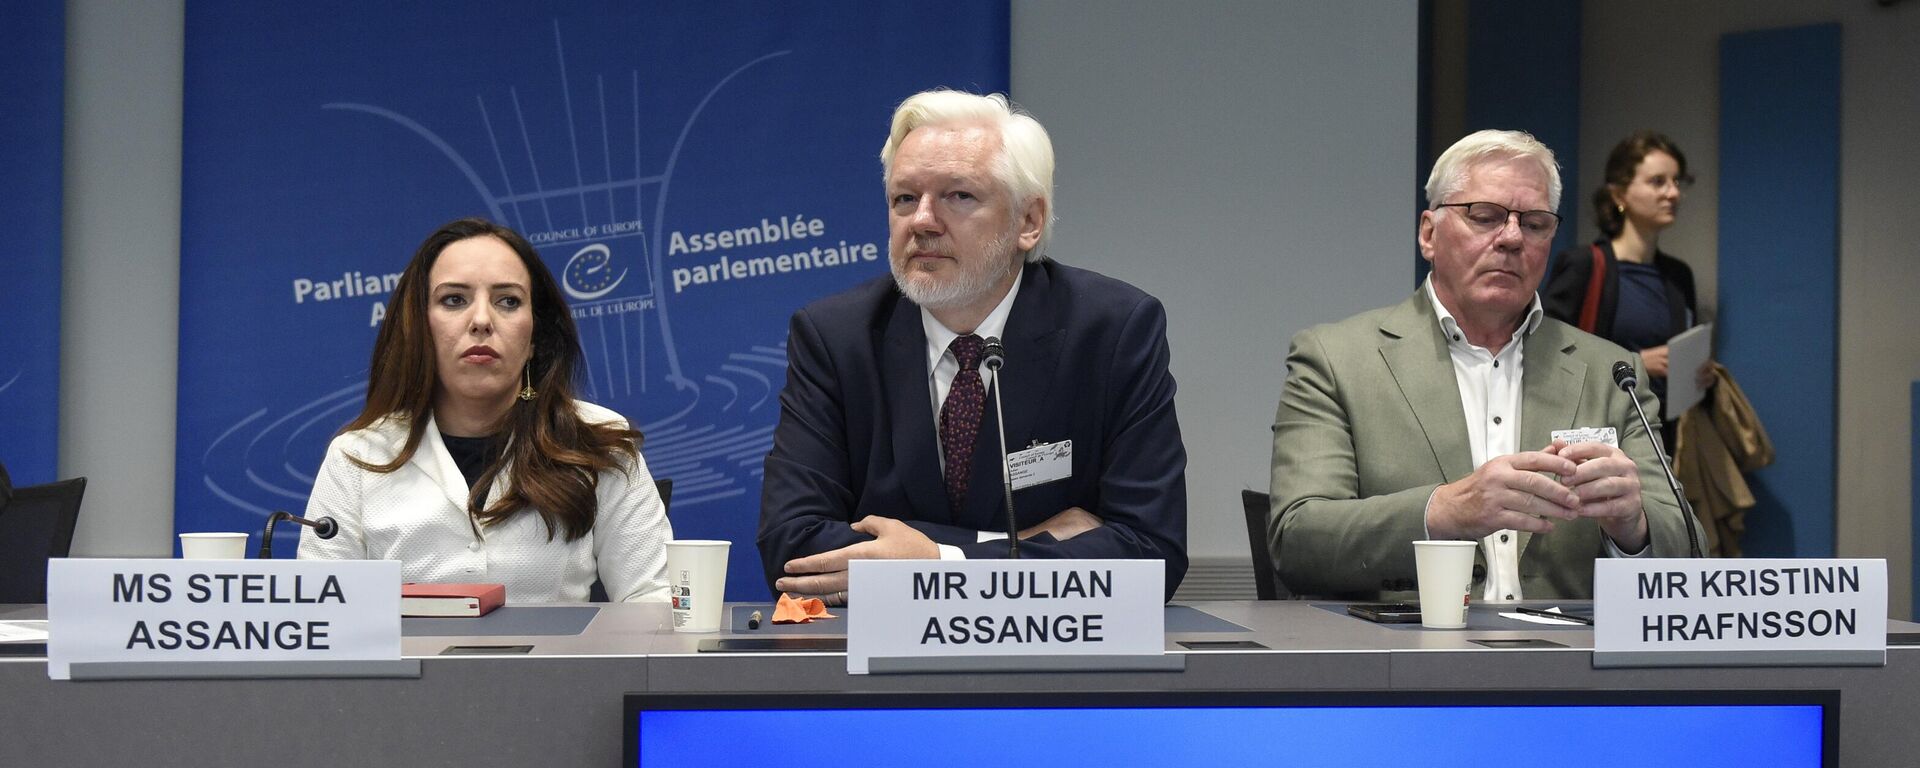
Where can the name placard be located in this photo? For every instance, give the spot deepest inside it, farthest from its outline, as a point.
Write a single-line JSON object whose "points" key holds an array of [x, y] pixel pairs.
{"points": [[1787, 612], [964, 609], [106, 611]]}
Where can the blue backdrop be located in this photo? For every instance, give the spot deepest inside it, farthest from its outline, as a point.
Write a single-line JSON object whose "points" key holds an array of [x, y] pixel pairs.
{"points": [[1779, 321], [1502, 95], [1541, 97], [323, 143], [32, 65]]}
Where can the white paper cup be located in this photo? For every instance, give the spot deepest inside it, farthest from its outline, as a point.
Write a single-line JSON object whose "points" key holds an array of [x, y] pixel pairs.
{"points": [[213, 546], [697, 580], [1445, 569]]}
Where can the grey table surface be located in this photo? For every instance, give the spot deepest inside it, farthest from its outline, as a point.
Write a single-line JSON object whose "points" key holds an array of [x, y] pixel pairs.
{"points": [[560, 703]]}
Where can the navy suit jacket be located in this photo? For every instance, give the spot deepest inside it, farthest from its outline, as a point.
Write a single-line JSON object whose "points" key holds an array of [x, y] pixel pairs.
{"points": [[1086, 361]]}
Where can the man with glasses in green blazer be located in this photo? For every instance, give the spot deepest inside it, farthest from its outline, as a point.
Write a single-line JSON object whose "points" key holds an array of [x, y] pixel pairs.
{"points": [[1441, 417]]}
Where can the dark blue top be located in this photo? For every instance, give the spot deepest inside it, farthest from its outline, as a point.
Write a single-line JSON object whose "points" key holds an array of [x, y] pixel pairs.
{"points": [[1642, 320]]}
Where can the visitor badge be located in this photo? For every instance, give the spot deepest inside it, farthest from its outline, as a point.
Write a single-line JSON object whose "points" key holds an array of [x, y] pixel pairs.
{"points": [[1042, 463]]}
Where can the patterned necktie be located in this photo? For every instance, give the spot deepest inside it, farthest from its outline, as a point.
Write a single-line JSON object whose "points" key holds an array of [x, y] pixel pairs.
{"points": [[960, 419]]}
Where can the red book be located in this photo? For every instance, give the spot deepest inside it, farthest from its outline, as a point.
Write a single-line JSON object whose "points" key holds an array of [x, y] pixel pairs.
{"points": [[450, 599]]}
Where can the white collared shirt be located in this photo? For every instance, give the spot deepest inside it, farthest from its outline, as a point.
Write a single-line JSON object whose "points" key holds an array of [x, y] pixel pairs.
{"points": [[942, 367], [1490, 395]]}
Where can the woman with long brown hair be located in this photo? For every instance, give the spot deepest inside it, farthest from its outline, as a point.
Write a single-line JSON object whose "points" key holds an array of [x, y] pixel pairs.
{"points": [[1623, 288], [472, 461]]}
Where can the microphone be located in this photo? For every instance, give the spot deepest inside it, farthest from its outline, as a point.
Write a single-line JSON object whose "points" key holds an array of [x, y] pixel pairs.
{"points": [[1624, 379], [324, 527], [994, 356]]}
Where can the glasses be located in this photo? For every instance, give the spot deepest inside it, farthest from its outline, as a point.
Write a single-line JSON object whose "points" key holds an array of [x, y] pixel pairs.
{"points": [[1490, 217], [1681, 183]]}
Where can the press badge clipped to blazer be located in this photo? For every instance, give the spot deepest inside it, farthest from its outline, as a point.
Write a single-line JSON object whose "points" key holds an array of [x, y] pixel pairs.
{"points": [[1041, 464]]}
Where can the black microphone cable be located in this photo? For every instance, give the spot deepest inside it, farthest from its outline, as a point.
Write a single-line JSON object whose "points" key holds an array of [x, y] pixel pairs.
{"points": [[994, 356], [1624, 378]]}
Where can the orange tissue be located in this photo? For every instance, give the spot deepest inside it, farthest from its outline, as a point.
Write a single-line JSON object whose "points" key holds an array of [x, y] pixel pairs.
{"points": [[793, 611]]}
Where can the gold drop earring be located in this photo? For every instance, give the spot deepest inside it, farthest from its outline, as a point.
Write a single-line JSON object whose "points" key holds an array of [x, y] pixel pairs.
{"points": [[527, 392]]}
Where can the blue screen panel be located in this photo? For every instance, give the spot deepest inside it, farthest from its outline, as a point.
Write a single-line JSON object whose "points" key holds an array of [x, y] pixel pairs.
{"points": [[1568, 736]]}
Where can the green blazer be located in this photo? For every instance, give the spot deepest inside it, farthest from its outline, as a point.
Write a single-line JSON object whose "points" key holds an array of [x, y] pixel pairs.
{"points": [[1370, 423]]}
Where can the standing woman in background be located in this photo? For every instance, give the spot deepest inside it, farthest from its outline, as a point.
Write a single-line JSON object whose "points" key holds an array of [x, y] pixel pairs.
{"points": [[472, 461], [1623, 288]]}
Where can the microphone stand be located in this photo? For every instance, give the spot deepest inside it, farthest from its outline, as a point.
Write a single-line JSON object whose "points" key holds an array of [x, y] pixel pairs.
{"points": [[1628, 383], [995, 357], [325, 528]]}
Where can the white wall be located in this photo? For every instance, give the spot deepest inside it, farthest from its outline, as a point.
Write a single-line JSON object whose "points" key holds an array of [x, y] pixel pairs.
{"points": [[1655, 63], [1251, 164], [120, 292]]}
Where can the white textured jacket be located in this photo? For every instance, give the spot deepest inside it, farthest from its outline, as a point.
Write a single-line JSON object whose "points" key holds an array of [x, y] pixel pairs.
{"points": [[417, 515]]}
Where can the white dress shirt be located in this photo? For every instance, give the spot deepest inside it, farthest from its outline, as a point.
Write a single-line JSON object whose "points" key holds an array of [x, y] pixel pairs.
{"points": [[417, 514], [1490, 394], [942, 366]]}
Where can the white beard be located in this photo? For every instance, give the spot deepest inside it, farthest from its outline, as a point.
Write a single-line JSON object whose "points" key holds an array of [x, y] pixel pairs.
{"points": [[969, 284]]}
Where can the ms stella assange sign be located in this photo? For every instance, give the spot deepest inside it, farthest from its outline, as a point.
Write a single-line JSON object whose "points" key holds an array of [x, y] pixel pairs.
{"points": [[220, 611]]}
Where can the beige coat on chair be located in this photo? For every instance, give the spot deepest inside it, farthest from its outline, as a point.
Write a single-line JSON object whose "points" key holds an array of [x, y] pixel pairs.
{"points": [[1719, 441]]}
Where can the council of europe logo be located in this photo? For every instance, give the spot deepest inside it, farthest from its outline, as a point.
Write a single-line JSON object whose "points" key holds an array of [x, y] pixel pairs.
{"points": [[589, 274]]}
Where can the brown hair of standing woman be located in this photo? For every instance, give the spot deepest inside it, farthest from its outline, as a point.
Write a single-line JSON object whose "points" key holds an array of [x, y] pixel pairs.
{"points": [[555, 455], [1622, 163]]}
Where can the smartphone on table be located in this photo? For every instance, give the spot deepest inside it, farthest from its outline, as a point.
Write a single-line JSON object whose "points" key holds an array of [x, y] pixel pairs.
{"points": [[1386, 613]]}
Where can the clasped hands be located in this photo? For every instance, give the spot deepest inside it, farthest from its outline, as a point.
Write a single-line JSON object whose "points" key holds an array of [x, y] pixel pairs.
{"points": [[825, 575], [1528, 491]]}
